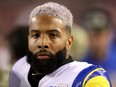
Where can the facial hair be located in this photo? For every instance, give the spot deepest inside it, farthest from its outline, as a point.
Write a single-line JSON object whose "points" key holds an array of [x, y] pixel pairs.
{"points": [[54, 62]]}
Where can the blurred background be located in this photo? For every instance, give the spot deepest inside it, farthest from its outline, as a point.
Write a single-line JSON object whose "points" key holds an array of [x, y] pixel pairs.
{"points": [[94, 32]]}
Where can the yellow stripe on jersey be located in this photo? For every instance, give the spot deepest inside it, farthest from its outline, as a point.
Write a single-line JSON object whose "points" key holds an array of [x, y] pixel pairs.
{"points": [[90, 74], [98, 81]]}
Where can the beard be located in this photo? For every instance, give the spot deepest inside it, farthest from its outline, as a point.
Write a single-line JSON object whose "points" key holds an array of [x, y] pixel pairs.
{"points": [[48, 66]]}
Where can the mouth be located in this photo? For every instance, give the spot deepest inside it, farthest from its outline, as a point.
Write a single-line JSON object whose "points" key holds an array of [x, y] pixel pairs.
{"points": [[43, 56]]}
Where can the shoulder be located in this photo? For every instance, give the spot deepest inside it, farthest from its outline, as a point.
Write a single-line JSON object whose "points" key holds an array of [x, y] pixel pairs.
{"points": [[79, 66], [20, 67], [20, 64], [19, 73], [92, 76]]}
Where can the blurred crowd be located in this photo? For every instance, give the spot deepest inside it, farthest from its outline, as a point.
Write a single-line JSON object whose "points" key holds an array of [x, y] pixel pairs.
{"points": [[12, 48], [102, 45], [94, 42]]}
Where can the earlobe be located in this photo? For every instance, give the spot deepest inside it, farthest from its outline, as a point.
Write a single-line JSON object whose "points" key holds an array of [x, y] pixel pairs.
{"points": [[69, 43]]}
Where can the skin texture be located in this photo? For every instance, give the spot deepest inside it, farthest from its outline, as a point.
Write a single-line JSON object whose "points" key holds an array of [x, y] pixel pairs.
{"points": [[47, 34]]}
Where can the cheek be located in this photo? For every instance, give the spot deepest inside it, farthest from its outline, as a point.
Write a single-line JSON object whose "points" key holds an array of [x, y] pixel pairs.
{"points": [[32, 46], [58, 46]]}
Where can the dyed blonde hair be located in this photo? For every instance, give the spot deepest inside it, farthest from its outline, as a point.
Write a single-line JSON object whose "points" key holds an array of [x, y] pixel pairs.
{"points": [[56, 10]]}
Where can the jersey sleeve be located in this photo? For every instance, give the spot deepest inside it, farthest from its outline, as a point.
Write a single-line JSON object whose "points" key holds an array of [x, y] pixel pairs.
{"points": [[97, 78], [98, 81], [93, 76]]}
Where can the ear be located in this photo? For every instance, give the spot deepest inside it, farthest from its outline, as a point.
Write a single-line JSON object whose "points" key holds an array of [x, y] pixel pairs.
{"points": [[69, 42]]}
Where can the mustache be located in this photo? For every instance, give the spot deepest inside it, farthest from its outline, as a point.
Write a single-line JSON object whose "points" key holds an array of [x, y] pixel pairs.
{"points": [[43, 52]]}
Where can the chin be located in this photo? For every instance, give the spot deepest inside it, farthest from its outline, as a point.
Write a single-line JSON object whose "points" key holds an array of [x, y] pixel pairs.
{"points": [[46, 65]]}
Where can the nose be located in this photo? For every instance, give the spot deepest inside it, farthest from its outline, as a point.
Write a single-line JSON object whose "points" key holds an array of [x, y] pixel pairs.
{"points": [[43, 42]]}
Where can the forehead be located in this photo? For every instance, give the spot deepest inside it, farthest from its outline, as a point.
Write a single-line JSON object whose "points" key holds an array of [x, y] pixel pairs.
{"points": [[44, 21]]}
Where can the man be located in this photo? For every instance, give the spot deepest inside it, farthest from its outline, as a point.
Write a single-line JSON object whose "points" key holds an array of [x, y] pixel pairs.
{"points": [[48, 63]]}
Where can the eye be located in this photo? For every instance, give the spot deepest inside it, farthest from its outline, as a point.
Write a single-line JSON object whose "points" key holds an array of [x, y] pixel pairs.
{"points": [[53, 35], [36, 35]]}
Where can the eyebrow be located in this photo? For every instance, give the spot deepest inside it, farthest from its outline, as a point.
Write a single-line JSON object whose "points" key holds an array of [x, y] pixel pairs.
{"points": [[54, 30], [33, 30]]}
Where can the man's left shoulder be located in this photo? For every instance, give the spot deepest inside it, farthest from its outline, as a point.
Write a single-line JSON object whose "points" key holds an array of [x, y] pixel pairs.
{"points": [[79, 66], [92, 76]]}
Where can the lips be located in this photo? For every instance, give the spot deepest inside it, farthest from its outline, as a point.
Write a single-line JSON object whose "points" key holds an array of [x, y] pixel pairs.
{"points": [[43, 55]]}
